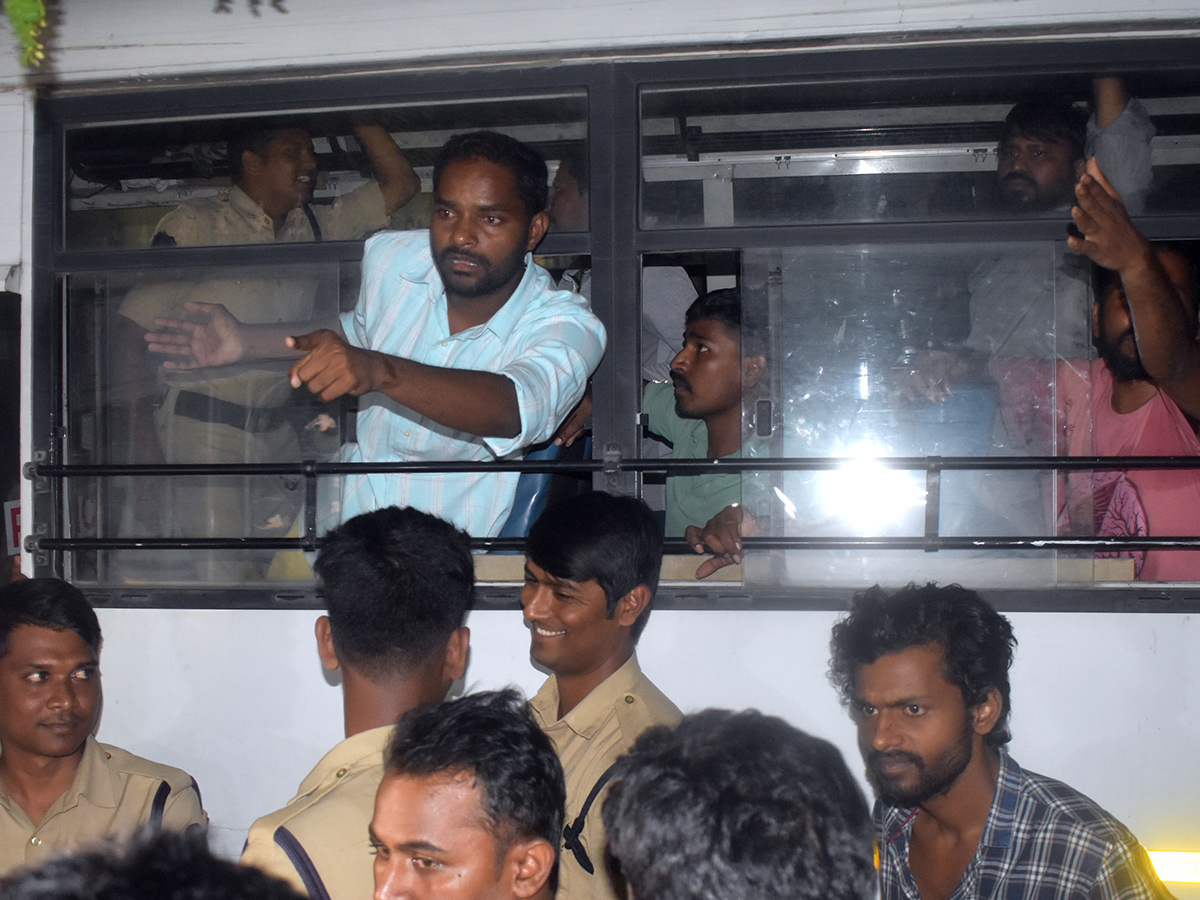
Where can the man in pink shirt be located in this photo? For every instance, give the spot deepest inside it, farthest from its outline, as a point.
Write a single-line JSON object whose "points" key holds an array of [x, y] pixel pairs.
{"points": [[1143, 394]]}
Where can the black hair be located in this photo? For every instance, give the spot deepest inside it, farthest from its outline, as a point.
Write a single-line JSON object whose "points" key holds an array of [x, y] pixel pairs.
{"points": [[725, 306], [256, 139], [977, 642], [493, 736], [397, 583], [1048, 118], [47, 603], [613, 541], [527, 166], [574, 161], [151, 866], [738, 805]]}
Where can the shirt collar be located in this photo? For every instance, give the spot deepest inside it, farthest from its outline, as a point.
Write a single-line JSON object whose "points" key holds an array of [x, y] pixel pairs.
{"points": [[364, 747], [249, 210], [590, 714]]}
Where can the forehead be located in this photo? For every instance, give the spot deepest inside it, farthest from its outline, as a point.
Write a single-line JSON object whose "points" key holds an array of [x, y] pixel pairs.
{"points": [[1053, 144], [444, 810], [712, 331], [289, 138], [544, 577], [909, 673], [36, 643], [479, 180]]}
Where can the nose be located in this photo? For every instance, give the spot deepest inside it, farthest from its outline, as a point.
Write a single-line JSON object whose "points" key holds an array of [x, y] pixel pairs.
{"points": [[62, 695], [390, 880], [680, 361], [463, 233], [883, 735], [534, 602]]}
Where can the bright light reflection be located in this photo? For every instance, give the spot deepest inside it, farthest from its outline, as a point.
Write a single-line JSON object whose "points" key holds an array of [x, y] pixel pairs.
{"points": [[868, 495], [1176, 866]]}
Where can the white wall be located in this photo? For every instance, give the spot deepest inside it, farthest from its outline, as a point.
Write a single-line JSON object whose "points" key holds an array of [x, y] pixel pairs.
{"points": [[115, 38], [239, 699]]}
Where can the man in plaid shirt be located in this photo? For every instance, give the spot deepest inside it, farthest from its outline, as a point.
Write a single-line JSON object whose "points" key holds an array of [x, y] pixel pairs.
{"points": [[924, 672]]}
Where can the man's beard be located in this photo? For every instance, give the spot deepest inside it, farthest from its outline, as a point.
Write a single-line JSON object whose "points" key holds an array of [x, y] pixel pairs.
{"points": [[1036, 199], [1121, 366], [934, 778], [490, 278]]}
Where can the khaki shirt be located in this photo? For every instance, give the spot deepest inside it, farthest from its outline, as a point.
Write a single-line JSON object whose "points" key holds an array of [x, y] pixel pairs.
{"points": [[112, 794], [588, 740], [253, 294], [318, 842]]}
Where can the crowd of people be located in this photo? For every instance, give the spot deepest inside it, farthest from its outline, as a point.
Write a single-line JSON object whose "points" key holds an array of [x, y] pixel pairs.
{"points": [[596, 788]]}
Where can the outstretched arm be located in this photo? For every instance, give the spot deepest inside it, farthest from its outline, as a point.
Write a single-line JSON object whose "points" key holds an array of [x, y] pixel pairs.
{"points": [[1163, 314], [217, 338], [479, 403], [395, 174]]}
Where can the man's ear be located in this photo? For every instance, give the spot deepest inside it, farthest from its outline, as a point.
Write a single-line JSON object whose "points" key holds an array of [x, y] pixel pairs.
{"points": [[632, 605], [538, 226], [457, 650], [251, 163], [987, 713], [325, 649], [529, 864], [752, 371]]}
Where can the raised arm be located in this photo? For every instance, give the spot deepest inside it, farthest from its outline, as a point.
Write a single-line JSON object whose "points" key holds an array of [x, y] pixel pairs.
{"points": [[475, 402], [395, 174], [1119, 136], [1109, 99], [1162, 312]]}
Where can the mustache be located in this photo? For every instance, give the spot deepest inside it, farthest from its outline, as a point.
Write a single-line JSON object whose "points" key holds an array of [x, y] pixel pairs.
{"points": [[679, 381], [877, 757], [1018, 176], [462, 254]]}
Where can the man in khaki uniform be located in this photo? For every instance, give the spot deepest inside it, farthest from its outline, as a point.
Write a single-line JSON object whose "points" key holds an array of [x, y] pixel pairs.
{"points": [[591, 570], [237, 413], [59, 786], [397, 584]]}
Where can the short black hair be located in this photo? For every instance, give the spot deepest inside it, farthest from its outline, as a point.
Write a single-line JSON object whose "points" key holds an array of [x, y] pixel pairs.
{"points": [[574, 161], [1048, 118], [725, 306], [256, 138], [739, 805], [613, 541], [397, 583], [527, 166], [47, 603], [151, 866], [493, 736], [977, 642]]}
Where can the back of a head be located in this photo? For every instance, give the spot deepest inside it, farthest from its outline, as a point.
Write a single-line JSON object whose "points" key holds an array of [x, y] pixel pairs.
{"points": [[573, 159], [1048, 118], [493, 736], [612, 540], [47, 603], [738, 804], [977, 641], [163, 866], [397, 583], [526, 165]]}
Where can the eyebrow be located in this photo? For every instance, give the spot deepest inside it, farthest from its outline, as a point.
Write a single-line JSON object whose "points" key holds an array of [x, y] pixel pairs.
{"points": [[553, 579]]}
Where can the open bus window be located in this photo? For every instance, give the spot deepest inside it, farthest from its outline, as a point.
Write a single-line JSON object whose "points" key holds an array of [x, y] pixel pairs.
{"points": [[124, 181], [898, 149]]}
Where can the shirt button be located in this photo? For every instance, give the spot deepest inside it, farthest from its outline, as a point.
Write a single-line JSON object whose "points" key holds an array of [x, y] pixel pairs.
{"points": [[341, 772], [36, 841], [629, 698], [408, 434]]}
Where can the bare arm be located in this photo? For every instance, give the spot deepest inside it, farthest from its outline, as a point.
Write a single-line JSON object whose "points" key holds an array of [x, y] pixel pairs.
{"points": [[1109, 99], [395, 174], [722, 537], [1164, 322], [479, 403]]}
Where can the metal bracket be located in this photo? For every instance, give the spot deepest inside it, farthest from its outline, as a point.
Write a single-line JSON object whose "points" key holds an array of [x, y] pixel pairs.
{"points": [[30, 472], [612, 466]]}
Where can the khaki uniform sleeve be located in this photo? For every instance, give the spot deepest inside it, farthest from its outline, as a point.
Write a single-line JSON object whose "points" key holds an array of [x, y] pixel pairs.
{"points": [[263, 853], [183, 809]]}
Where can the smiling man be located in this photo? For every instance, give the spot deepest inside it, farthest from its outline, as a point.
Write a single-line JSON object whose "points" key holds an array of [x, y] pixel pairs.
{"points": [[470, 806], [591, 570], [59, 787], [925, 674], [460, 344]]}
